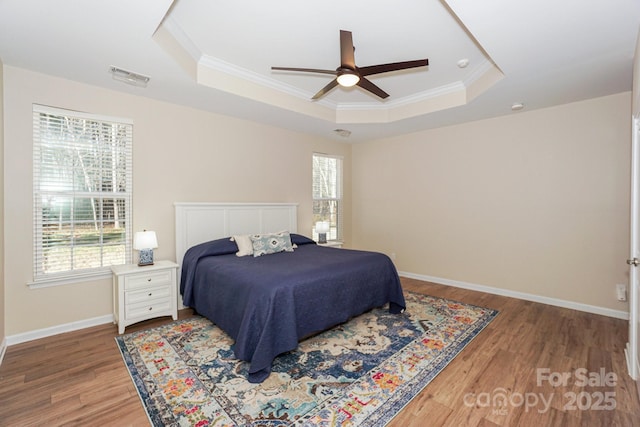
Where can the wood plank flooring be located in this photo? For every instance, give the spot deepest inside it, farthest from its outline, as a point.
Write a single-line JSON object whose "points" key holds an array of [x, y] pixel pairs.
{"points": [[79, 378]]}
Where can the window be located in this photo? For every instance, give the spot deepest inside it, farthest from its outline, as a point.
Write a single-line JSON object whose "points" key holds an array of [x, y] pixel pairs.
{"points": [[327, 193], [81, 194]]}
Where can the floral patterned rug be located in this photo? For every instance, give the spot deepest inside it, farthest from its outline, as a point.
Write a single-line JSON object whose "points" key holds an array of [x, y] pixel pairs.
{"points": [[360, 373]]}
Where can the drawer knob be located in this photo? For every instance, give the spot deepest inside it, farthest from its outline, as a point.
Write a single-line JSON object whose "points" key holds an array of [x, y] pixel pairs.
{"points": [[149, 279], [150, 293], [150, 308]]}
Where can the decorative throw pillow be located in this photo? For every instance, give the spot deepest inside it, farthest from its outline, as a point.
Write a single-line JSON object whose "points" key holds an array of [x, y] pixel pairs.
{"points": [[245, 245], [264, 244]]}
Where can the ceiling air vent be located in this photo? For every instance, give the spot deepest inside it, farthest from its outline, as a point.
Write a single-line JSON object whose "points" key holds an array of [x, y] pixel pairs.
{"points": [[129, 77]]}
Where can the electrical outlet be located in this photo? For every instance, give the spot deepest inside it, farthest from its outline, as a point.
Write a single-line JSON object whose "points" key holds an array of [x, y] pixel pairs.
{"points": [[621, 292]]}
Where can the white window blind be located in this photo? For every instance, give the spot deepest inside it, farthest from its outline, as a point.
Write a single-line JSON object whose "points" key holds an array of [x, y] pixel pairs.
{"points": [[327, 193], [82, 177]]}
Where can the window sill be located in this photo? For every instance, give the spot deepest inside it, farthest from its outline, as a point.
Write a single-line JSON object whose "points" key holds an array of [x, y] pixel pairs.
{"points": [[67, 280]]}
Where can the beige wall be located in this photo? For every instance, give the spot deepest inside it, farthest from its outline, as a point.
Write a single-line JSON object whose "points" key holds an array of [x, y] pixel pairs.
{"points": [[180, 154], [534, 202]]}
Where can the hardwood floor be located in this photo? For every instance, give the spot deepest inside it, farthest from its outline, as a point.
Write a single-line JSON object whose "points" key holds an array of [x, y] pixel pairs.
{"points": [[526, 353]]}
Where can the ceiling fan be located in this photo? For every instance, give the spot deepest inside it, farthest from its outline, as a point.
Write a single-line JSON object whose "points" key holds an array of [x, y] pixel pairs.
{"points": [[348, 74]]}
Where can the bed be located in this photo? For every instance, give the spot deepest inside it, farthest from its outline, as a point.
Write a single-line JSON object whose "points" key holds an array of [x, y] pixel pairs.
{"points": [[268, 303]]}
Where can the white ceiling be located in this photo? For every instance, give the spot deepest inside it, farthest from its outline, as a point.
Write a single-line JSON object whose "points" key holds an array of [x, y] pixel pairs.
{"points": [[217, 55]]}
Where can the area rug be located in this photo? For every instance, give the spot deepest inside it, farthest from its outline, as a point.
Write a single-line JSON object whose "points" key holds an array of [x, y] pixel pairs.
{"points": [[360, 373]]}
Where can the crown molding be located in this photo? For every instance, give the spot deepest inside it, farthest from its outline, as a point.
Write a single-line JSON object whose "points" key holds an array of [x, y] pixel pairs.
{"points": [[217, 73]]}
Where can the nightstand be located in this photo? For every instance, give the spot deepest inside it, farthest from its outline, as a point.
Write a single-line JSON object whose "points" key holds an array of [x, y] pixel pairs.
{"points": [[141, 293], [332, 244]]}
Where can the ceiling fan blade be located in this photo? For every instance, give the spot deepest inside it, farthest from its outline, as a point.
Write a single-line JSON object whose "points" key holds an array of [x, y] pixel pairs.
{"points": [[394, 66], [347, 59], [367, 85], [333, 83], [305, 70]]}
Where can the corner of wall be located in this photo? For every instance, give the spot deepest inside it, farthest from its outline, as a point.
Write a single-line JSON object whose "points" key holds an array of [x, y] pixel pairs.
{"points": [[2, 310]]}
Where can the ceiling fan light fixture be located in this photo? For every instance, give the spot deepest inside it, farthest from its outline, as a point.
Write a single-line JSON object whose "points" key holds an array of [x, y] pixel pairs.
{"points": [[348, 78]]}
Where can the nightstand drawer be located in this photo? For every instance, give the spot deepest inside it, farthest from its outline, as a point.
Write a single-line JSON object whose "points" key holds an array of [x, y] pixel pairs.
{"points": [[146, 309], [142, 280], [145, 295]]}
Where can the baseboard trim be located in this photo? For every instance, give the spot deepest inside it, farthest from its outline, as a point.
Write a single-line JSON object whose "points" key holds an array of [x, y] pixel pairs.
{"points": [[3, 349], [633, 366], [101, 320], [618, 314], [59, 329]]}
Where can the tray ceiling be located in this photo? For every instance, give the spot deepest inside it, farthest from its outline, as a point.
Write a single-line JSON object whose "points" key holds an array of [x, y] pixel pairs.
{"points": [[217, 56]]}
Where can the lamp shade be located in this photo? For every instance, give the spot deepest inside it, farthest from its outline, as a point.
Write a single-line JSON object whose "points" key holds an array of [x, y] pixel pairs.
{"points": [[145, 240], [322, 227]]}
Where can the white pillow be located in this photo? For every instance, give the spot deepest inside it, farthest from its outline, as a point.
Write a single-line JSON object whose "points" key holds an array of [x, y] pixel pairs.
{"points": [[245, 245]]}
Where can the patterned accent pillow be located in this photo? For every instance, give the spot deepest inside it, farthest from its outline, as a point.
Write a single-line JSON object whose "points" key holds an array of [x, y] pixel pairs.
{"points": [[271, 243]]}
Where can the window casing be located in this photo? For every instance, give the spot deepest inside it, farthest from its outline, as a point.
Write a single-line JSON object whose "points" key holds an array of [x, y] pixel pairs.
{"points": [[327, 193], [82, 194]]}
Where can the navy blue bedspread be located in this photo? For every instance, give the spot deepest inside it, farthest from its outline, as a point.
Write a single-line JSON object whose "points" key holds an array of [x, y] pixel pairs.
{"points": [[268, 303]]}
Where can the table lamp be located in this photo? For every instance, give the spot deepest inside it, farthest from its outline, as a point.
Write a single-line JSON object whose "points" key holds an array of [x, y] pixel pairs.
{"points": [[145, 242], [322, 227]]}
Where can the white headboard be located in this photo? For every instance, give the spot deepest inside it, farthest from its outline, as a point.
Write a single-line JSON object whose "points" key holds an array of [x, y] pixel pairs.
{"points": [[200, 222]]}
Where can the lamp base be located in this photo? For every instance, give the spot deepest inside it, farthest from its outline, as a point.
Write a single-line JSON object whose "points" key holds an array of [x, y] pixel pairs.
{"points": [[146, 257], [322, 237]]}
